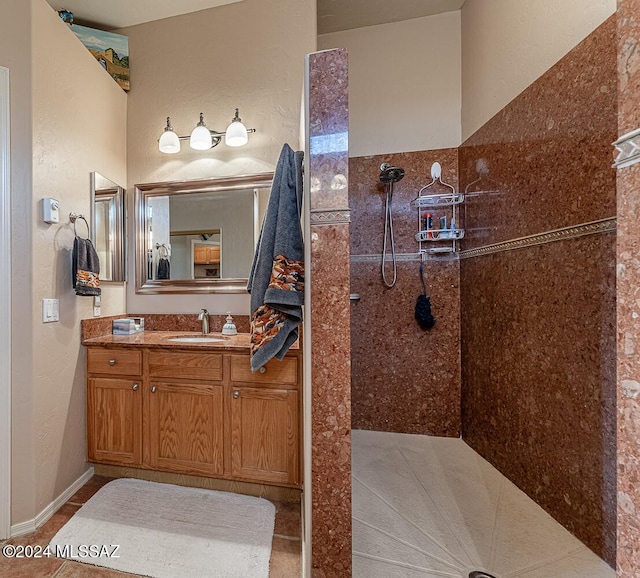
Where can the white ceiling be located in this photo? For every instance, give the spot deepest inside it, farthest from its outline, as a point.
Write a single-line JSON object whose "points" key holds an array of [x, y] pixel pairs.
{"points": [[333, 15], [112, 14]]}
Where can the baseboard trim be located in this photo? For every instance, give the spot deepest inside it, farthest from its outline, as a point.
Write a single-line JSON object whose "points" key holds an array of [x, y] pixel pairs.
{"points": [[33, 524]]}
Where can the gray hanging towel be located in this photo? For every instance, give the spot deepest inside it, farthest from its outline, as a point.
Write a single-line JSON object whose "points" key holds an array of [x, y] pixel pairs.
{"points": [[86, 268], [276, 282], [164, 269]]}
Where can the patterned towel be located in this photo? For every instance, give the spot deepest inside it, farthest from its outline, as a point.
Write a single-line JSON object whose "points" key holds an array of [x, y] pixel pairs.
{"points": [[86, 268], [276, 282]]}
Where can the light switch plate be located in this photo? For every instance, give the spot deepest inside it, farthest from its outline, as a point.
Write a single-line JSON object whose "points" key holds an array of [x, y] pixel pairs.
{"points": [[50, 310]]}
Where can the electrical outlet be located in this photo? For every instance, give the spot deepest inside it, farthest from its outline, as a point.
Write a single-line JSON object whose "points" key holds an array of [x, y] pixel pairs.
{"points": [[96, 311]]}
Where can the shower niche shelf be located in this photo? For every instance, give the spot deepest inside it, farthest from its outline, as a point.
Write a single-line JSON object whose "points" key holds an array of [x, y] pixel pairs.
{"points": [[437, 233]]}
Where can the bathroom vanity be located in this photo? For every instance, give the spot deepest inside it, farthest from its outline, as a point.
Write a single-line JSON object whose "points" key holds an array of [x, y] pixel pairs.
{"points": [[193, 408]]}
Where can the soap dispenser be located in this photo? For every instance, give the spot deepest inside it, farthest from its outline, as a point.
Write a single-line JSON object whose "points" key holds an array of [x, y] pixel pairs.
{"points": [[229, 328]]}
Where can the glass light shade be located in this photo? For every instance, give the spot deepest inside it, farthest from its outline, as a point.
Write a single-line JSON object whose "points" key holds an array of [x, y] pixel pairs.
{"points": [[200, 138], [169, 142], [236, 134]]}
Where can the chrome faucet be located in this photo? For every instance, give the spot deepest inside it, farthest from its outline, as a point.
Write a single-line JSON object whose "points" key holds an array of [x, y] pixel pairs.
{"points": [[204, 317]]}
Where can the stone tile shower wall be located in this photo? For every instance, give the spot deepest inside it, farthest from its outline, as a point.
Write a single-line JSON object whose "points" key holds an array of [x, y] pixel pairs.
{"points": [[329, 268], [538, 316], [403, 379], [628, 181]]}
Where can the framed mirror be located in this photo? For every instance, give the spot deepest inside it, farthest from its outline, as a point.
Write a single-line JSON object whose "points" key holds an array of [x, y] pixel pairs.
{"points": [[107, 227], [198, 236]]}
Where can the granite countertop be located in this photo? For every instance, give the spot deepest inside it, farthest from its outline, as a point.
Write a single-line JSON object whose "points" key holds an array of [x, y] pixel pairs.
{"points": [[161, 339]]}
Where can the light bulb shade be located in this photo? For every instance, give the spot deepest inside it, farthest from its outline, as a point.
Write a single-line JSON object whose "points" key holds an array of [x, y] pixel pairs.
{"points": [[236, 134], [169, 142], [200, 138]]}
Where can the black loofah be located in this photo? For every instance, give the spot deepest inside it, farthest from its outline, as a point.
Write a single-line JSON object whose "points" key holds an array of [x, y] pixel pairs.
{"points": [[423, 313], [423, 306]]}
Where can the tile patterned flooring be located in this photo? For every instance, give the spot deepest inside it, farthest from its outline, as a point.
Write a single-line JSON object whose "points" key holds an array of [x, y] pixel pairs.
{"points": [[285, 552], [428, 507]]}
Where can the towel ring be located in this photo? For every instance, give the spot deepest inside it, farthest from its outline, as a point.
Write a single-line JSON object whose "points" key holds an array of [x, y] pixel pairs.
{"points": [[73, 218], [163, 252]]}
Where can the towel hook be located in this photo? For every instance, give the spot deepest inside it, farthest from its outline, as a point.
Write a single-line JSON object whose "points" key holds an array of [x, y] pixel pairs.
{"points": [[73, 217], [436, 177]]}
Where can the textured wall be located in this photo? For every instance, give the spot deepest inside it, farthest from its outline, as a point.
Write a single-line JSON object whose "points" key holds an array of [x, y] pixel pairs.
{"points": [[248, 55], [403, 379], [328, 306], [70, 141], [404, 86], [628, 295], [15, 54], [57, 140], [538, 323], [507, 45]]}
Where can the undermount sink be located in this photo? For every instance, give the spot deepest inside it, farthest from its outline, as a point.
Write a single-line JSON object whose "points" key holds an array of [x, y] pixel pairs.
{"points": [[200, 339]]}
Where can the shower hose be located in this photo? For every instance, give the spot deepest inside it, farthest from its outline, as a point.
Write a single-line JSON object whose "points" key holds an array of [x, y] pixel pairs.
{"points": [[388, 232]]}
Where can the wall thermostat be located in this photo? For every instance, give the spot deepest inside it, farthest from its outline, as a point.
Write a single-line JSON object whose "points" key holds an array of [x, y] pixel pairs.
{"points": [[50, 210]]}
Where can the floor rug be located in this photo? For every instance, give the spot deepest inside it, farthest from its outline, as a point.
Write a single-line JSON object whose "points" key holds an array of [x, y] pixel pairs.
{"points": [[168, 531]]}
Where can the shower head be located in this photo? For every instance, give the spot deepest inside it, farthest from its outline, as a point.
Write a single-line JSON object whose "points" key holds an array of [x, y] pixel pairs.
{"points": [[389, 174]]}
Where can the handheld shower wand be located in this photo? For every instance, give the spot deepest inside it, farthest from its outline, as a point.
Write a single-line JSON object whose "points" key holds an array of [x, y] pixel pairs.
{"points": [[389, 175]]}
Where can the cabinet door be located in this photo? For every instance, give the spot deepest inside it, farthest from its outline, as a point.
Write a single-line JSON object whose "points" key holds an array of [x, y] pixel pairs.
{"points": [[264, 435], [213, 254], [114, 421], [185, 427], [200, 254]]}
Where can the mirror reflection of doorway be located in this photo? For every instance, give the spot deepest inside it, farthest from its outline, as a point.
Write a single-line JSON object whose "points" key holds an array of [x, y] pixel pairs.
{"points": [[206, 256]]}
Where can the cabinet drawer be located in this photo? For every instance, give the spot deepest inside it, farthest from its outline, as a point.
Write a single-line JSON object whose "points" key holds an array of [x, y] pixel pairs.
{"points": [[114, 361], [283, 372], [196, 365]]}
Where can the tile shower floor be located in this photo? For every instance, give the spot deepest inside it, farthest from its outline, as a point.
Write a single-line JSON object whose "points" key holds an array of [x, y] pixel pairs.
{"points": [[427, 507], [285, 549]]}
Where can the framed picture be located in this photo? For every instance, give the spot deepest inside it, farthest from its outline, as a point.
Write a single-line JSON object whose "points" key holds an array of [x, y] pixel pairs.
{"points": [[109, 49]]}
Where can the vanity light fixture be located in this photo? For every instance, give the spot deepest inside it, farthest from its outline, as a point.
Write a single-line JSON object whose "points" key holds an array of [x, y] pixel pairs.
{"points": [[202, 138]]}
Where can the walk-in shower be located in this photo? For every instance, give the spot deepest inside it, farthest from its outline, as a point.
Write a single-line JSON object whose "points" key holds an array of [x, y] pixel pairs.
{"points": [[389, 175]]}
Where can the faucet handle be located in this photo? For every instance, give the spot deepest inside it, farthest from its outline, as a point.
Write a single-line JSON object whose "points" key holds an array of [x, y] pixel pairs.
{"points": [[202, 314]]}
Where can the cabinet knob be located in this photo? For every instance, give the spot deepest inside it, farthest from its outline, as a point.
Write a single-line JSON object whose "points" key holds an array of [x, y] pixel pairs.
{"points": [[236, 394], [112, 362], [263, 370], [135, 387], [153, 389]]}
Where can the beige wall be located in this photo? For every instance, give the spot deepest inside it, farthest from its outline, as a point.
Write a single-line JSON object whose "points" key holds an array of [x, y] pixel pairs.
{"points": [[404, 84], [506, 45], [248, 55], [15, 54], [70, 119]]}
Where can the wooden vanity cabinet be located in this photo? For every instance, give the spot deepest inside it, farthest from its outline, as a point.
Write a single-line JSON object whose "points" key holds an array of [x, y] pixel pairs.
{"points": [[114, 406], [265, 421], [185, 407], [264, 434], [195, 412]]}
